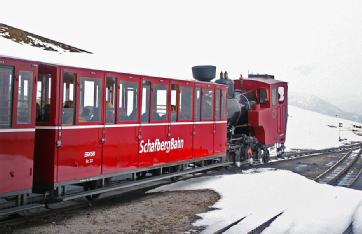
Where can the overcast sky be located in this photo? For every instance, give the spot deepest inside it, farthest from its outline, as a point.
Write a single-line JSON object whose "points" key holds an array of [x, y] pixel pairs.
{"points": [[314, 45]]}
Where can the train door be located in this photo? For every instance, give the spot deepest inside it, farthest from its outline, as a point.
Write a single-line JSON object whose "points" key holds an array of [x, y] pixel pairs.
{"points": [[80, 152], [203, 139], [181, 120], [155, 127], [17, 118], [220, 125], [120, 148]]}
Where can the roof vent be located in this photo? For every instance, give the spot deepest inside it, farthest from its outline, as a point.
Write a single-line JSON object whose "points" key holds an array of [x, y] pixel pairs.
{"points": [[263, 76]]}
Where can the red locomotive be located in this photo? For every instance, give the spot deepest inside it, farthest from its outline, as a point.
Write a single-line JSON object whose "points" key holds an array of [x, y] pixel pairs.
{"points": [[100, 131]]}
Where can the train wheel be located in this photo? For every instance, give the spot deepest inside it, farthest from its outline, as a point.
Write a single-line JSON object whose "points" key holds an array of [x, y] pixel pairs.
{"points": [[91, 186], [265, 156], [141, 175]]}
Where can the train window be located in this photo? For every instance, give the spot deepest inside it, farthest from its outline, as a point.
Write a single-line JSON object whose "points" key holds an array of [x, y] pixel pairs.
{"points": [[185, 103], [90, 100], [274, 96], [223, 105], [25, 97], [217, 105], [110, 100], [128, 101], [281, 94], [263, 96], [198, 104], [6, 96], [207, 104], [43, 98], [146, 97], [174, 106], [68, 98], [159, 102]]}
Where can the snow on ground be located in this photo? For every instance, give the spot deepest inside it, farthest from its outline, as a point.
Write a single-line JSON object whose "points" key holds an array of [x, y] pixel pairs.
{"points": [[308, 207], [310, 130]]}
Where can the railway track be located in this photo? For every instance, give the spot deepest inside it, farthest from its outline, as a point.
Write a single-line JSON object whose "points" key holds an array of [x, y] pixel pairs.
{"points": [[305, 154], [257, 230], [42, 212], [345, 171]]}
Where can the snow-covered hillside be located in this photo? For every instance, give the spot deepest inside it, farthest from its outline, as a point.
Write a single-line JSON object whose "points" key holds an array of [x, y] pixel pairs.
{"points": [[317, 104], [311, 130]]}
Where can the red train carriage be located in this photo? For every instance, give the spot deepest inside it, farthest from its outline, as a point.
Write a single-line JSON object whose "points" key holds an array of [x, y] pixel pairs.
{"points": [[94, 125], [17, 127], [99, 131]]}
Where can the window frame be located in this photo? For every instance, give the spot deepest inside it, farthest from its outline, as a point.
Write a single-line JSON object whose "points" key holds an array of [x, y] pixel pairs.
{"points": [[11, 95], [82, 73], [163, 82], [182, 84], [219, 113], [274, 96], [196, 88], [19, 68], [208, 87], [134, 79], [267, 94], [278, 97], [106, 76], [224, 108]]}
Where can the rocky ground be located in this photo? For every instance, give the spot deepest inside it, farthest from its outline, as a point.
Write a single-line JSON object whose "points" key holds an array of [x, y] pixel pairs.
{"points": [[171, 212]]}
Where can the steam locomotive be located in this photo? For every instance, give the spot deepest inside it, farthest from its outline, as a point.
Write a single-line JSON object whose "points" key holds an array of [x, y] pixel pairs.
{"points": [[257, 113], [68, 132]]}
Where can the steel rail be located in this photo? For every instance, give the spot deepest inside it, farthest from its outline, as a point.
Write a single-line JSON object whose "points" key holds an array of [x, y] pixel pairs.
{"points": [[334, 173]]}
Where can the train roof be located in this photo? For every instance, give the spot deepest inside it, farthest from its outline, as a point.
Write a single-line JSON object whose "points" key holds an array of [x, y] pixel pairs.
{"points": [[269, 81], [41, 63]]}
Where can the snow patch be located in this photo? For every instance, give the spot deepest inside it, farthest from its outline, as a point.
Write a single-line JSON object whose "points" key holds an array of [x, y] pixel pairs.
{"points": [[309, 207], [310, 130]]}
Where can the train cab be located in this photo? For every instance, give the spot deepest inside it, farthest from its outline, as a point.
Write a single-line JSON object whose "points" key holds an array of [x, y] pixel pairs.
{"points": [[268, 118]]}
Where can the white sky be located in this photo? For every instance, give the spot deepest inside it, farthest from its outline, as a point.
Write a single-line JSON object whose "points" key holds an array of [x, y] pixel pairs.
{"points": [[314, 45]]}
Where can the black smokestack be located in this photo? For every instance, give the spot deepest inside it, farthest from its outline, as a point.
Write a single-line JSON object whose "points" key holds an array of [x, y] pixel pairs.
{"points": [[204, 72]]}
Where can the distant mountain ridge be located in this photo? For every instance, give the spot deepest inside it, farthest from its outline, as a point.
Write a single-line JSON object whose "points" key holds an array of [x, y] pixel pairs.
{"points": [[24, 37], [316, 104]]}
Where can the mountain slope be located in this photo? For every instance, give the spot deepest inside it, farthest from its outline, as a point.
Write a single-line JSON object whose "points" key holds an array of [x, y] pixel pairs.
{"points": [[24, 37], [310, 130], [316, 104]]}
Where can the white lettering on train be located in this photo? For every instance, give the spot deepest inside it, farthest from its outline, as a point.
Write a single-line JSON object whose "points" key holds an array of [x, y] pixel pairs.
{"points": [[89, 154], [157, 145]]}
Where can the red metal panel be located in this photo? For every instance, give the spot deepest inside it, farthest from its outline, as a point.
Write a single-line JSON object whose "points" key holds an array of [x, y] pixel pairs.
{"points": [[181, 131], [16, 161], [155, 136], [203, 140], [120, 151], [17, 143], [80, 154], [220, 137]]}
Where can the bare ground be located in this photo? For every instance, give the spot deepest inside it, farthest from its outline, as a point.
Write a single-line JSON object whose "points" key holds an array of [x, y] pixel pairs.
{"points": [[169, 212]]}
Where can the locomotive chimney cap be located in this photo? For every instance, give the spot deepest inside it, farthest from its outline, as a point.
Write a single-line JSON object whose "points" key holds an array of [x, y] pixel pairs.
{"points": [[204, 72]]}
